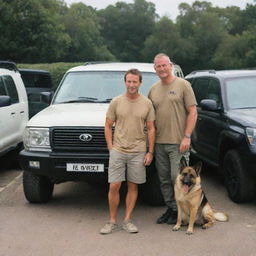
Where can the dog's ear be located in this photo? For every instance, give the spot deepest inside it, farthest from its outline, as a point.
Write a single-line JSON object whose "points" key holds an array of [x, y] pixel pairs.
{"points": [[198, 167], [183, 163]]}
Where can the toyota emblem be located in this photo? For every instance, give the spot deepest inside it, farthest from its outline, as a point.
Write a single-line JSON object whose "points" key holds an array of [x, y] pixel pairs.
{"points": [[85, 137]]}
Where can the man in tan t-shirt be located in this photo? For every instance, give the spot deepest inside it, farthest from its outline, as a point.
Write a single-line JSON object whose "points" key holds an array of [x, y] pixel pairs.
{"points": [[176, 115], [130, 113]]}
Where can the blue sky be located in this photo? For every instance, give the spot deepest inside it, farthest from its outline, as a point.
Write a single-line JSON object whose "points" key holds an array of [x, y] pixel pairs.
{"points": [[163, 7]]}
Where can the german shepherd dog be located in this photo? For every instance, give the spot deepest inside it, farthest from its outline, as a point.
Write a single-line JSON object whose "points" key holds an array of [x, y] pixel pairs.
{"points": [[191, 201]]}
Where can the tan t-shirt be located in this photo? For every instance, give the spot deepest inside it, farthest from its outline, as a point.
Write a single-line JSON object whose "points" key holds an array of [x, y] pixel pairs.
{"points": [[130, 117], [170, 102]]}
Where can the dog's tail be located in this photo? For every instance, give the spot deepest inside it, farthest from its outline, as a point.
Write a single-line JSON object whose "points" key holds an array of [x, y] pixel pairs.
{"points": [[220, 216]]}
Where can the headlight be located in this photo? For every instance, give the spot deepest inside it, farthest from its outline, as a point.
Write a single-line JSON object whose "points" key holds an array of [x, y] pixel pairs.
{"points": [[36, 139], [251, 135]]}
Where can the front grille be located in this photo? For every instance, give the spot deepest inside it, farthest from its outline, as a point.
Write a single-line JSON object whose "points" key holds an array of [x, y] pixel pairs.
{"points": [[67, 139]]}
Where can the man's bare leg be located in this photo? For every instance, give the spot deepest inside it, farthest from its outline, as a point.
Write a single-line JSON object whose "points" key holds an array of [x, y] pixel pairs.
{"points": [[113, 200], [131, 198]]}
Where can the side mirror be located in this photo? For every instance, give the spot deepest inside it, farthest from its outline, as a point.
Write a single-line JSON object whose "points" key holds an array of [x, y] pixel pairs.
{"points": [[5, 101], [46, 97], [210, 105]]}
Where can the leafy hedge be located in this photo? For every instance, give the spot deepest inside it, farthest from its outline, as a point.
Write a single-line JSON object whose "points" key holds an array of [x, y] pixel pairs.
{"points": [[57, 70]]}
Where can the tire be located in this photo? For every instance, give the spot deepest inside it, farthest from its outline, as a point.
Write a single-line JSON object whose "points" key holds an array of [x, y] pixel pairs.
{"points": [[239, 184], [150, 191], [37, 189], [10, 160]]}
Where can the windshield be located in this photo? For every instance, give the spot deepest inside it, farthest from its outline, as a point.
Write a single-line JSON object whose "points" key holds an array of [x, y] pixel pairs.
{"points": [[241, 92], [98, 86]]}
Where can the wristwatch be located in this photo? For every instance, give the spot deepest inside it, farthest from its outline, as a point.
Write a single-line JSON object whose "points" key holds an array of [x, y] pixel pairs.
{"points": [[187, 136]]}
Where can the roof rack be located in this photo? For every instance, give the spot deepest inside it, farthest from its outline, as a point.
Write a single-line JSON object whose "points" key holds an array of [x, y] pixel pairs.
{"points": [[8, 65], [96, 62], [212, 71]]}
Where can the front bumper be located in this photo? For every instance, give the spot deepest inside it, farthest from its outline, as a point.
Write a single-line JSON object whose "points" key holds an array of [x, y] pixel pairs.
{"points": [[53, 165]]}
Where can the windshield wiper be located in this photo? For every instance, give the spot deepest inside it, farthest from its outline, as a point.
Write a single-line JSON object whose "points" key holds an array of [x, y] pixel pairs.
{"points": [[245, 107], [87, 99], [81, 99], [105, 101]]}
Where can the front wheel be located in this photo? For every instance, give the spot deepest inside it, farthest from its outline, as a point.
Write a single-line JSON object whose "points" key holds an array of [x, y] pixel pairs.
{"points": [[37, 189], [239, 185]]}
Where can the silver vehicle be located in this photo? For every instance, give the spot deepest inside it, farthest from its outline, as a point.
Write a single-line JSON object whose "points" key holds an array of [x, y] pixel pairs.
{"points": [[65, 141], [13, 107]]}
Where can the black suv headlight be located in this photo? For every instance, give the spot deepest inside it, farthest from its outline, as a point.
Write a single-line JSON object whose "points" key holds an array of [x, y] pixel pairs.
{"points": [[251, 135]]}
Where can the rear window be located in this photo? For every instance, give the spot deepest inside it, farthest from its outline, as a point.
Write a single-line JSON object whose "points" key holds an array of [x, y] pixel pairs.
{"points": [[36, 80], [7, 87]]}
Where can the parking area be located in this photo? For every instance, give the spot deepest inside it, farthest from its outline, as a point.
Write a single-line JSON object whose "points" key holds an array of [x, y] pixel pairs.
{"points": [[69, 224]]}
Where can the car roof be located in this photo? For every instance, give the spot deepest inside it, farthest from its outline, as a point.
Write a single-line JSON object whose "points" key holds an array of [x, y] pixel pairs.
{"points": [[4, 71], [116, 66], [33, 71], [221, 73], [8, 65]]}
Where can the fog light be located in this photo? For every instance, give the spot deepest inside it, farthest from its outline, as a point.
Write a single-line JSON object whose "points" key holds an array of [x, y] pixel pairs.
{"points": [[34, 164]]}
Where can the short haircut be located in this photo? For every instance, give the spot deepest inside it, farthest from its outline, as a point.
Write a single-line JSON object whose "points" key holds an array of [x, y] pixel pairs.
{"points": [[133, 71], [159, 55]]}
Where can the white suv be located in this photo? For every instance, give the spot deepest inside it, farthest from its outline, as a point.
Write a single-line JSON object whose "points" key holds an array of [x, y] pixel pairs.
{"points": [[65, 141], [13, 107]]}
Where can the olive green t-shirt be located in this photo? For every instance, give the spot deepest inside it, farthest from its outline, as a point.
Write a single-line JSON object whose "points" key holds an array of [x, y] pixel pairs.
{"points": [[170, 102], [130, 117]]}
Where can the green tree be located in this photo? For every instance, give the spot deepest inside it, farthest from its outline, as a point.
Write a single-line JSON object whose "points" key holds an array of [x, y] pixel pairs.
{"points": [[31, 32], [249, 15], [200, 26], [82, 25], [166, 38], [230, 53], [238, 48], [237, 51], [126, 26], [232, 19]]}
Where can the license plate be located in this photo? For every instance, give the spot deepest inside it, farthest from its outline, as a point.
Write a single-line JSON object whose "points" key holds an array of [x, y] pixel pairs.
{"points": [[76, 167]]}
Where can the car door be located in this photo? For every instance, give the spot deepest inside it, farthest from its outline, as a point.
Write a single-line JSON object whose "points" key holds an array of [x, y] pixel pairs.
{"points": [[206, 134], [10, 116]]}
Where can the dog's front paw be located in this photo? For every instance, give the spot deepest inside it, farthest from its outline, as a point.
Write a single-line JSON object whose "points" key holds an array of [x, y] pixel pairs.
{"points": [[207, 225], [189, 232], [176, 228]]}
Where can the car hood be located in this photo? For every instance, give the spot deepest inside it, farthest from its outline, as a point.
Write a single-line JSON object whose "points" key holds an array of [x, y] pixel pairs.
{"points": [[245, 116], [71, 114]]}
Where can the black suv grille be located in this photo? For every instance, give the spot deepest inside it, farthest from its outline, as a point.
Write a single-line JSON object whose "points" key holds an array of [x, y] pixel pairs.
{"points": [[68, 139]]}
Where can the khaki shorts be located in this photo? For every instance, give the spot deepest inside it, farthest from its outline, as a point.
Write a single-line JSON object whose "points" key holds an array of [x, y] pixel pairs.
{"points": [[126, 166]]}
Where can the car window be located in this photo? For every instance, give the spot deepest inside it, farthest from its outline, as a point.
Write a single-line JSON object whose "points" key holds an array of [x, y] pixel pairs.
{"points": [[11, 89], [200, 86], [241, 92], [213, 91], [206, 88], [2, 87], [37, 80]]}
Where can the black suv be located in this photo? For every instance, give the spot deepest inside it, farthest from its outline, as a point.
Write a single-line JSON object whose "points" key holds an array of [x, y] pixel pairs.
{"points": [[36, 81], [225, 133]]}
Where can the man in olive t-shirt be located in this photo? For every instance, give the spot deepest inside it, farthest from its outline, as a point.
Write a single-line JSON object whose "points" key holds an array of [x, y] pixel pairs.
{"points": [[130, 113], [176, 114]]}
